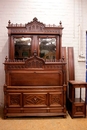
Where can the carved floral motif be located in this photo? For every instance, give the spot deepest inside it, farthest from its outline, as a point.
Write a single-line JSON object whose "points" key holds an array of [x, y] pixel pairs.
{"points": [[55, 99], [79, 108], [34, 64], [14, 99]]}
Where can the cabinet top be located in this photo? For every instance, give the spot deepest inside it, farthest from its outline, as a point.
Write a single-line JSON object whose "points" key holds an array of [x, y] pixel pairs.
{"points": [[34, 27], [75, 82]]}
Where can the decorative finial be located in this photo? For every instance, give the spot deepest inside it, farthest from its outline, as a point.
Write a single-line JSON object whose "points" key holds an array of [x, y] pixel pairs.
{"points": [[35, 19], [9, 22], [63, 58], [60, 23], [6, 58]]}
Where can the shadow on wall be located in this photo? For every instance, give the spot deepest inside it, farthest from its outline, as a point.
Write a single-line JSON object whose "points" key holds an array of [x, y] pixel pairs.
{"points": [[3, 54]]}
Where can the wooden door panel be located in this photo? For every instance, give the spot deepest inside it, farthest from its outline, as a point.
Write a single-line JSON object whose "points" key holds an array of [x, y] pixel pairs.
{"points": [[56, 99], [36, 78], [14, 99]]}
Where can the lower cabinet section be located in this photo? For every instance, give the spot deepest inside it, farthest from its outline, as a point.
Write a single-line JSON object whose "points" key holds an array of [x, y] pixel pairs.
{"points": [[36, 102], [77, 109]]}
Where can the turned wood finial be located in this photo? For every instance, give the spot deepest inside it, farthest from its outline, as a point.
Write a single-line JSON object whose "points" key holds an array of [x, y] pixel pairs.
{"points": [[9, 22], [60, 23], [63, 58], [35, 19], [6, 58]]}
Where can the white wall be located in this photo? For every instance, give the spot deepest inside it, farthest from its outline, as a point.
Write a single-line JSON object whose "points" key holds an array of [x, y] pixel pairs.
{"points": [[72, 13]]}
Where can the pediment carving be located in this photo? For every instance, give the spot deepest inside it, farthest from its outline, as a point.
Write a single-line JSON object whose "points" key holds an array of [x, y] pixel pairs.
{"points": [[35, 25], [34, 62]]}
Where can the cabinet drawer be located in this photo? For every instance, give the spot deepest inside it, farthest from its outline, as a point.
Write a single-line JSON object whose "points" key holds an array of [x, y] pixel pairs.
{"points": [[79, 109], [35, 99]]}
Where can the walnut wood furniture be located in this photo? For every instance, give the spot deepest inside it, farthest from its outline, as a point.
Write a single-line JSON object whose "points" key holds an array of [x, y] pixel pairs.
{"points": [[35, 71], [76, 106], [71, 70]]}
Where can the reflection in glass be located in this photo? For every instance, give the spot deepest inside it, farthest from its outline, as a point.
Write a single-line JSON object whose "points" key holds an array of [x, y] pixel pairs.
{"points": [[22, 47], [47, 48]]}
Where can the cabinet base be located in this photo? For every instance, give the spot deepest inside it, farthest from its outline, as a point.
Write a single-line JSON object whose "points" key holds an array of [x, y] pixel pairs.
{"points": [[76, 109], [34, 115]]}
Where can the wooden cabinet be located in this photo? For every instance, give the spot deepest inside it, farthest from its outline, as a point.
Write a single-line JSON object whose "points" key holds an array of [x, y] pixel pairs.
{"points": [[35, 71], [76, 105]]}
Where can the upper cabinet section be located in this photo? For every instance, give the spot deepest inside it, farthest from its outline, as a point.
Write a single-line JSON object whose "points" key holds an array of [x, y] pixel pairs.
{"points": [[46, 40]]}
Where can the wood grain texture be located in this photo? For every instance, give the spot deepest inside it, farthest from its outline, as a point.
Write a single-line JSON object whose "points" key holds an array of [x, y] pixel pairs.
{"points": [[71, 69]]}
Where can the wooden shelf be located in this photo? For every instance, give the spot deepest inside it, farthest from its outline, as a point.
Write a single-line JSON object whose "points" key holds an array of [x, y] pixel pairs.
{"points": [[77, 100], [76, 106]]}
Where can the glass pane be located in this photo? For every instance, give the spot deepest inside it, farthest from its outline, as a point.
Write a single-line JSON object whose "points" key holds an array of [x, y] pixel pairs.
{"points": [[22, 48], [47, 48]]}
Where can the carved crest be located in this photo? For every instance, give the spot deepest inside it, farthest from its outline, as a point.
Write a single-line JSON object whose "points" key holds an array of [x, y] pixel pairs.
{"points": [[34, 62], [35, 25]]}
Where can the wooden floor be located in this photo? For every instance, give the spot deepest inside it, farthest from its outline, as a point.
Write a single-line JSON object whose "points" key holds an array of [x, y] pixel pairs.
{"points": [[51, 123]]}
